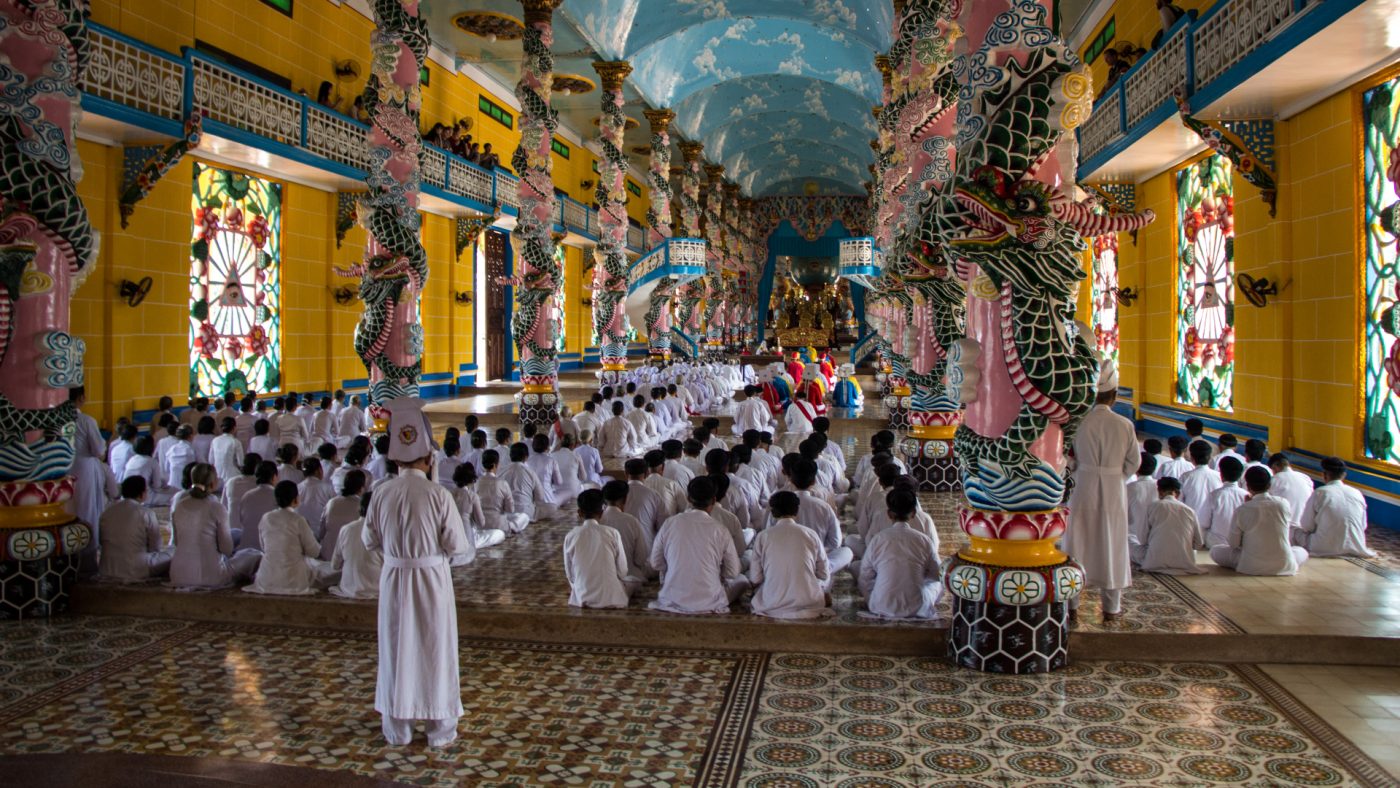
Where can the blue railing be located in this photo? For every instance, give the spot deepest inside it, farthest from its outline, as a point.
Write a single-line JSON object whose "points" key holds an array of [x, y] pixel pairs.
{"points": [[863, 348], [133, 82], [680, 259], [688, 346], [1203, 58]]}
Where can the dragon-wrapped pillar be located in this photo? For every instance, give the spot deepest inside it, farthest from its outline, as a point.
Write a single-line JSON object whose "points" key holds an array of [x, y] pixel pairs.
{"points": [[610, 255], [659, 227], [537, 280], [1026, 371], [715, 289], [47, 249], [687, 311], [388, 337]]}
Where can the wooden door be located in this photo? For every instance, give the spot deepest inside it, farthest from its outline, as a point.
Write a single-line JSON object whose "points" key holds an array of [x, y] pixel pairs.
{"points": [[497, 338]]}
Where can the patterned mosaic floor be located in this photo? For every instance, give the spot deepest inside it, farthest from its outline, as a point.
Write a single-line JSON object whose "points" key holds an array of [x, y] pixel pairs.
{"points": [[543, 714]]}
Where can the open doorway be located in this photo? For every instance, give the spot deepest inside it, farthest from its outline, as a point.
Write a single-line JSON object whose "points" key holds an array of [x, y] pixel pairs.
{"points": [[494, 334]]}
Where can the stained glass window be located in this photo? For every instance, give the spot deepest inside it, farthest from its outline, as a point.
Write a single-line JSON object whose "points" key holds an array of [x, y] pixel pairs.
{"points": [[1205, 324], [1105, 295], [559, 299], [235, 283], [1380, 172]]}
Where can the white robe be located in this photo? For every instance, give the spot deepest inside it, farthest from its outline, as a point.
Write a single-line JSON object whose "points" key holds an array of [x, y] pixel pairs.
{"points": [[592, 463], [899, 575], [131, 543], [572, 477], [291, 563], [226, 455], [1220, 513], [672, 494], [337, 513], [752, 414], [788, 570], [118, 454], [596, 566], [644, 504], [1097, 536], [359, 567], [314, 494], [1196, 486], [498, 504], [1142, 493], [1173, 537], [348, 424], [531, 498], [1258, 542], [251, 507], [204, 554], [698, 565], [616, 438], [1294, 487], [415, 524], [1334, 522], [1175, 468], [636, 541], [798, 421]]}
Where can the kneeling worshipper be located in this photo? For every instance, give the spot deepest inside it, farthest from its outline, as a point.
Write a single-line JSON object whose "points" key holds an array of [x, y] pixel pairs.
{"points": [[130, 537], [1226, 498], [204, 554], [414, 523], [1258, 542], [572, 476], [342, 510], [847, 393], [497, 499], [696, 559], [900, 575], [817, 515], [1334, 519], [359, 567], [291, 564], [751, 412], [1198, 483], [1173, 535], [254, 504], [788, 568], [798, 420], [469, 507], [532, 497], [594, 560], [617, 437], [544, 466]]}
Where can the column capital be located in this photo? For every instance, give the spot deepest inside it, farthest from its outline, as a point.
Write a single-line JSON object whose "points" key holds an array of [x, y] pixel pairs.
{"points": [[731, 189], [539, 10], [876, 112], [714, 172], [677, 170], [882, 62], [660, 119], [612, 72], [690, 151]]}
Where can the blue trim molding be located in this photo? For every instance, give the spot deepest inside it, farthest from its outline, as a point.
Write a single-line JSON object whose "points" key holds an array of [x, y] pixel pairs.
{"points": [[1382, 490], [1165, 421]]}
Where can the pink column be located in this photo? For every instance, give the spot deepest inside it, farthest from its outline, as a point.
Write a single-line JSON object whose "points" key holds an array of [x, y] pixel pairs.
{"points": [[659, 229], [610, 255]]}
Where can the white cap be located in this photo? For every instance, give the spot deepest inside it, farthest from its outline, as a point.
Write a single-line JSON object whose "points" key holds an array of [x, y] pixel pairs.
{"points": [[408, 430], [1108, 376]]}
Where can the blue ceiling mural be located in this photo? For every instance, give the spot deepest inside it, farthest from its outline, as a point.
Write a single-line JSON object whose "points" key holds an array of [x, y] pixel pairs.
{"points": [[779, 91]]}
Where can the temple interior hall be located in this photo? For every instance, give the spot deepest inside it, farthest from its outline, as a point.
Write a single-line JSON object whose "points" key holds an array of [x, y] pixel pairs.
{"points": [[700, 392]]}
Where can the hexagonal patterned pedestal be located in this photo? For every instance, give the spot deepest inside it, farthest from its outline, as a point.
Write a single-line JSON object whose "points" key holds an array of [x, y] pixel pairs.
{"points": [[932, 465], [996, 638], [36, 589], [898, 408]]}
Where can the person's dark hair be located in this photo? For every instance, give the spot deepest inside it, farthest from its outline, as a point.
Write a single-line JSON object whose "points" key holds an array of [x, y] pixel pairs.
{"points": [[490, 459], [766, 438], [590, 504], [1227, 441], [887, 473], [821, 424], [451, 445], [655, 458], [692, 447], [353, 483], [1231, 469], [325, 403], [130, 432], [784, 503], [710, 423], [1200, 452], [1176, 444], [615, 491], [804, 473], [751, 438], [1147, 465], [381, 444], [478, 439], [183, 432], [1255, 450], [288, 453], [265, 473], [808, 448], [1168, 484], [539, 444], [901, 503], [165, 403], [617, 408], [471, 422], [716, 461], [590, 406], [741, 455], [1152, 446], [671, 449], [1278, 462], [311, 466], [285, 493], [1194, 427], [260, 427], [228, 426], [700, 492], [1333, 468], [519, 452], [391, 468], [355, 456], [880, 459], [464, 474], [185, 475], [133, 487], [1258, 479], [326, 452], [721, 483], [251, 460], [635, 468], [145, 446], [502, 435], [527, 433], [638, 401], [201, 478]]}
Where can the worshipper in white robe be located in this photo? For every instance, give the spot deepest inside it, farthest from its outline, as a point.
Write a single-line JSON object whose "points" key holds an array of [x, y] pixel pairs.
{"points": [[1258, 543], [644, 503], [690, 457], [1106, 450], [816, 514], [414, 522], [1173, 534], [290, 428], [696, 559], [204, 434], [1142, 493], [671, 493], [164, 407], [751, 412], [788, 568], [742, 536], [532, 498], [544, 466], [504, 440], [245, 423], [497, 499], [342, 510], [595, 562], [1226, 444], [643, 423], [1256, 455], [234, 488], [378, 465], [900, 575], [872, 507], [1198, 483], [349, 423], [572, 476], [822, 424], [469, 507], [798, 419], [289, 464], [1224, 500], [920, 521], [675, 469], [291, 563], [589, 459], [313, 493], [122, 449], [307, 413], [359, 566], [131, 541], [1177, 465], [448, 458], [1291, 486], [756, 476], [204, 553], [617, 437], [588, 420], [636, 538], [262, 444], [1334, 518], [323, 424], [226, 451], [179, 454], [254, 504]]}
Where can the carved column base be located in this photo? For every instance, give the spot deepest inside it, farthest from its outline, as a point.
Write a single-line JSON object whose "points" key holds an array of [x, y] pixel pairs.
{"points": [[1018, 639], [41, 549], [928, 450], [539, 407], [898, 402]]}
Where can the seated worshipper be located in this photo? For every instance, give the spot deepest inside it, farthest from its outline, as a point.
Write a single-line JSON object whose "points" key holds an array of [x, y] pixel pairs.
{"points": [[1173, 534], [1334, 519], [572, 477], [469, 507], [1291, 486], [798, 419], [307, 414], [741, 535], [143, 464], [329, 457], [288, 427], [1178, 465], [754, 474], [831, 473], [741, 500], [594, 560], [671, 493], [502, 447], [323, 424], [289, 463], [179, 454], [1156, 449], [234, 488], [711, 441], [203, 438], [245, 422], [121, 449], [254, 504], [816, 514], [644, 503], [355, 458], [226, 452], [920, 521], [822, 425], [1256, 455], [1224, 500], [751, 412], [391, 472], [204, 555], [636, 539], [291, 565], [1142, 493], [314, 492], [130, 536], [690, 451], [497, 499], [164, 408], [472, 454], [768, 466], [617, 437], [546, 468], [262, 443], [882, 441], [900, 575], [342, 510], [378, 466], [872, 497], [349, 423], [1227, 444], [165, 440], [787, 568], [589, 460], [644, 423], [532, 498], [1258, 543], [696, 559], [448, 457], [1198, 483], [588, 419]]}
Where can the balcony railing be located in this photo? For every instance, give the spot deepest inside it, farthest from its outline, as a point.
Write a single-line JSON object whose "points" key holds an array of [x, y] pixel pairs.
{"points": [[861, 261], [680, 259], [1203, 58]]}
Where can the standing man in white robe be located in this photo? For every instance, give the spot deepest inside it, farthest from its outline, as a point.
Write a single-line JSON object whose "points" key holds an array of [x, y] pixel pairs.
{"points": [[1106, 450], [415, 523], [1334, 519], [94, 482]]}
